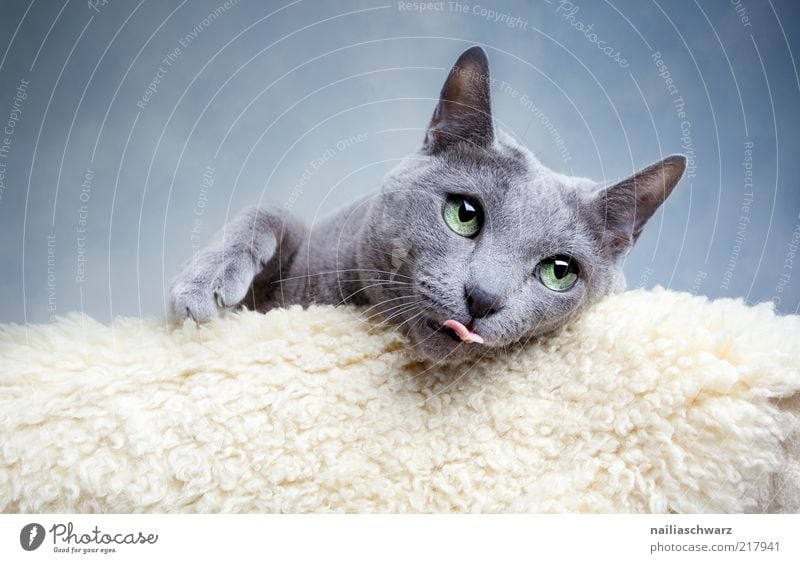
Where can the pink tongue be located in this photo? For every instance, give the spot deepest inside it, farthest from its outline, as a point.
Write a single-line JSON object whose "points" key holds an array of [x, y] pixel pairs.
{"points": [[465, 334]]}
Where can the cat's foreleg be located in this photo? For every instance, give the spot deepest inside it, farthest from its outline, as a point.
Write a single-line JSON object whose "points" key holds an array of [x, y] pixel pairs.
{"points": [[217, 279]]}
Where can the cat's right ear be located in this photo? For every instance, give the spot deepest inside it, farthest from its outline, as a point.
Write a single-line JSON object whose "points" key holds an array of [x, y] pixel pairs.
{"points": [[464, 112], [622, 210]]}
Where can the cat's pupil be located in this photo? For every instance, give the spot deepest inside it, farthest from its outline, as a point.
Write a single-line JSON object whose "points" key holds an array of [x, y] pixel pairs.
{"points": [[560, 268], [466, 212]]}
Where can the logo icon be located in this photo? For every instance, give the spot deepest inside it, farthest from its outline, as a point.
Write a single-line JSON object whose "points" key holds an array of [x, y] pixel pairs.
{"points": [[31, 536]]}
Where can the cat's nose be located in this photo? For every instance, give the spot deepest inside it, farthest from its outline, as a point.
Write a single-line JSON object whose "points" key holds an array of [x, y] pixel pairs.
{"points": [[482, 303]]}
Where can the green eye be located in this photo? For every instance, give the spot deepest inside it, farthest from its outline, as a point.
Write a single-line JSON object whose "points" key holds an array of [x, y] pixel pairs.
{"points": [[463, 216], [559, 273]]}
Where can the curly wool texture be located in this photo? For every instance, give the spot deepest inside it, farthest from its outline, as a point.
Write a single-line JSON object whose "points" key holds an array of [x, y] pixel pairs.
{"points": [[650, 402]]}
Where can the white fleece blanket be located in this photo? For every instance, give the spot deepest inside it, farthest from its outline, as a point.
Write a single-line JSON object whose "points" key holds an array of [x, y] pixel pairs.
{"points": [[650, 402]]}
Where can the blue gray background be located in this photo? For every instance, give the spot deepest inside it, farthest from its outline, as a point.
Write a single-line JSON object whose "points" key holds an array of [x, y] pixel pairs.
{"points": [[107, 189]]}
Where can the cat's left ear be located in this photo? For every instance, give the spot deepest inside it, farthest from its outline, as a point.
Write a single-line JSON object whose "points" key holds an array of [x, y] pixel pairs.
{"points": [[623, 209], [464, 112]]}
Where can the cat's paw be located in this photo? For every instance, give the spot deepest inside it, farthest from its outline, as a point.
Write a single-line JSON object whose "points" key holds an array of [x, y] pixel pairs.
{"points": [[213, 283]]}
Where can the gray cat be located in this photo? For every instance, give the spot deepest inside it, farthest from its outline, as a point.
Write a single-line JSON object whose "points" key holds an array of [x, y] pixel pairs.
{"points": [[470, 245]]}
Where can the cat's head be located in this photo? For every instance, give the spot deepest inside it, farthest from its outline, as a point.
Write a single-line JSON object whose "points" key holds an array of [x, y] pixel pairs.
{"points": [[485, 243]]}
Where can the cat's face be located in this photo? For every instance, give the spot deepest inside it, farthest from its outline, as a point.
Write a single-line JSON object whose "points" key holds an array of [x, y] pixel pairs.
{"points": [[487, 246]]}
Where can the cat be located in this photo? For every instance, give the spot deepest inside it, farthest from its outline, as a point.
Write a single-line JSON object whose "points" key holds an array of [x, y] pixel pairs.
{"points": [[471, 244]]}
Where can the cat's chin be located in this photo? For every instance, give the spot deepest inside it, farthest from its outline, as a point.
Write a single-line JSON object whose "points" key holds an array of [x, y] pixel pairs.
{"points": [[438, 343]]}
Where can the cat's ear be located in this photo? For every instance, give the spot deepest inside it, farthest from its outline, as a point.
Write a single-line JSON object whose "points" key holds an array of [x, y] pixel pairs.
{"points": [[623, 209], [464, 112]]}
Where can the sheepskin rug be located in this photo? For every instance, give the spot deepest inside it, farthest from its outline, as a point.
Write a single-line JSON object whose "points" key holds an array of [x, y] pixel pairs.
{"points": [[652, 401]]}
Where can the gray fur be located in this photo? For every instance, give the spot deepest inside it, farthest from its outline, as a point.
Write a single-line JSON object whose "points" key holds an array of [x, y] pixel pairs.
{"points": [[393, 252]]}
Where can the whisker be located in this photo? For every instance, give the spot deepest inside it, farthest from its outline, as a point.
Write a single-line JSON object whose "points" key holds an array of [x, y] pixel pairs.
{"points": [[417, 323], [357, 292], [384, 280], [340, 272], [387, 301], [422, 311], [407, 307]]}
